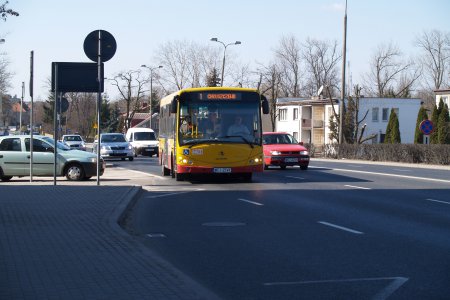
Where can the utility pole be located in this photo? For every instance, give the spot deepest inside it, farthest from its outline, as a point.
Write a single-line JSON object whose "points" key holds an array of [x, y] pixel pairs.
{"points": [[341, 104]]}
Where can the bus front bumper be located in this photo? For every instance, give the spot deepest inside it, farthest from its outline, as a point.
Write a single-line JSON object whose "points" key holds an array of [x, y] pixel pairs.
{"points": [[219, 170]]}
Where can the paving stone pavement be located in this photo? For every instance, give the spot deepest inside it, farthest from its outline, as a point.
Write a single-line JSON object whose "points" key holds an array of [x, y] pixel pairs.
{"points": [[64, 242]]}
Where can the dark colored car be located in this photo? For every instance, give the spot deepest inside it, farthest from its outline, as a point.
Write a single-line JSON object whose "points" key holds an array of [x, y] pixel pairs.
{"points": [[282, 149]]}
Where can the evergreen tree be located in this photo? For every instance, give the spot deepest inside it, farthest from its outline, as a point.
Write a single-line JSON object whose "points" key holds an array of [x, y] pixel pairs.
{"points": [[349, 121], [443, 136], [395, 132], [49, 110], [434, 120], [213, 79], [392, 129], [418, 135]]}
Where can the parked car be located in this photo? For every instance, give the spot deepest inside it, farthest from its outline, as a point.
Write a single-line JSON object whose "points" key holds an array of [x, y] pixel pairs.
{"points": [[15, 159], [74, 141], [143, 140], [114, 145], [282, 149]]}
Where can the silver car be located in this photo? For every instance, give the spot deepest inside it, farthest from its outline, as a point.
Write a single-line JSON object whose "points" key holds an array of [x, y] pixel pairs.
{"points": [[15, 159], [74, 141], [114, 145]]}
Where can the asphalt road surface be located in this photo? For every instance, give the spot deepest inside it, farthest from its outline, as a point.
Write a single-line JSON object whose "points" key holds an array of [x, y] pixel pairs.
{"points": [[340, 230]]}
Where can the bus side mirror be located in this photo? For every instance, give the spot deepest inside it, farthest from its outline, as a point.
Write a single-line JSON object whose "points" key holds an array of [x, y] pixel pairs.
{"points": [[173, 105], [265, 105]]}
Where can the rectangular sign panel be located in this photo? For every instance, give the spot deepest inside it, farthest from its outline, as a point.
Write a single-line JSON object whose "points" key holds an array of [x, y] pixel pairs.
{"points": [[77, 77]]}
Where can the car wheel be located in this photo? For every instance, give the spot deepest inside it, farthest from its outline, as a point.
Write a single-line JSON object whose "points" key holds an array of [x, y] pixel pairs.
{"points": [[74, 172], [130, 158], [4, 178], [283, 167], [304, 167]]}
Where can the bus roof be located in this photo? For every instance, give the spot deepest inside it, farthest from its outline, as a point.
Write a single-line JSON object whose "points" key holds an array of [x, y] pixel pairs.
{"points": [[167, 99]]}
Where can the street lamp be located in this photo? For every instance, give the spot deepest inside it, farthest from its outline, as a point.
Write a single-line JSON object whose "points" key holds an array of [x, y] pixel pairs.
{"points": [[224, 51], [151, 88]]}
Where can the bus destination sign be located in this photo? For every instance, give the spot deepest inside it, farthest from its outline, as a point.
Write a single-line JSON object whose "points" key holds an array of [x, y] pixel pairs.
{"points": [[220, 96]]}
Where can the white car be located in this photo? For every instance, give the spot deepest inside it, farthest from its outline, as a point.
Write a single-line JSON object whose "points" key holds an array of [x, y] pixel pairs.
{"points": [[143, 140], [74, 141], [114, 145]]}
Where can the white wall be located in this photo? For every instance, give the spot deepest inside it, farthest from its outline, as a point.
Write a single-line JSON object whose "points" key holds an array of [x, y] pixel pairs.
{"points": [[407, 116], [408, 110]]}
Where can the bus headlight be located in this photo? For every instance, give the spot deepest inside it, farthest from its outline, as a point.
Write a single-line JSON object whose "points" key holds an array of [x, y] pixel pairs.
{"points": [[256, 160]]}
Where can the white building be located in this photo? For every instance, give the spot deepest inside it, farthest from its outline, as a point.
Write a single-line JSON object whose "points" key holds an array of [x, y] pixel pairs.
{"points": [[444, 95], [308, 120]]}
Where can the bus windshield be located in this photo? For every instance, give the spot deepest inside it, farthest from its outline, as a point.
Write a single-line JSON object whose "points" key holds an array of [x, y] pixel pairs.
{"points": [[206, 121]]}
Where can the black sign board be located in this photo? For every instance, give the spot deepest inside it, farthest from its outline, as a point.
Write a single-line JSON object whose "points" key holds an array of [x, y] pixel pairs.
{"points": [[77, 77]]}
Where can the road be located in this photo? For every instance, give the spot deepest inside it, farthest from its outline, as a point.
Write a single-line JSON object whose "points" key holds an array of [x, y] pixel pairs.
{"points": [[337, 231]]}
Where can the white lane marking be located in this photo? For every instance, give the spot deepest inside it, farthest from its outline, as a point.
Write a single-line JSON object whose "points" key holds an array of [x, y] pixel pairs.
{"points": [[402, 170], [165, 195], [357, 187], [396, 283], [439, 201], [251, 202], [386, 174], [391, 288], [340, 227], [295, 177], [143, 173]]}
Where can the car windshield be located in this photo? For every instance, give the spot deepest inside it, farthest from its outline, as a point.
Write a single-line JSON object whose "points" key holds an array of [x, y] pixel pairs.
{"points": [[279, 139], [60, 145], [144, 136], [113, 138], [219, 122], [72, 138]]}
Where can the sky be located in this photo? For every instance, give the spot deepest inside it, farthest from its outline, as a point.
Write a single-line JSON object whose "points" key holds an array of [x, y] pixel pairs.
{"points": [[55, 30]]}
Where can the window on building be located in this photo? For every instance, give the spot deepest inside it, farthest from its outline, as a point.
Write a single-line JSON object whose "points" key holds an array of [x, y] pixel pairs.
{"points": [[282, 116], [375, 112], [397, 111], [385, 114], [295, 113]]}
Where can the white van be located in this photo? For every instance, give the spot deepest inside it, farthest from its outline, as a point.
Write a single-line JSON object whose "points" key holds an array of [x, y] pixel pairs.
{"points": [[143, 140]]}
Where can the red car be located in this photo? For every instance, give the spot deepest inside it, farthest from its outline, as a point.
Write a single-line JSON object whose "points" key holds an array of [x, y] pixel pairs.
{"points": [[282, 149]]}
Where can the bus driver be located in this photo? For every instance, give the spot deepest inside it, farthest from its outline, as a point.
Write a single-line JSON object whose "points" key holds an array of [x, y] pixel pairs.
{"points": [[238, 128]]}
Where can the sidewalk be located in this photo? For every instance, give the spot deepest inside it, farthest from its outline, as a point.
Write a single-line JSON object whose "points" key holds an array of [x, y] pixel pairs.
{"points": [[64, 242]]}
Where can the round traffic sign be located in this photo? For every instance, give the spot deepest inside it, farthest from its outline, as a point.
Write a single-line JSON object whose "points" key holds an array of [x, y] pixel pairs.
{"points": [[108, 45], [426, 126]]}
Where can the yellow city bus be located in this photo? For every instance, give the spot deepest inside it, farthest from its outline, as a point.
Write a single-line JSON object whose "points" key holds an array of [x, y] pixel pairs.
{"points": [[211, 130]]}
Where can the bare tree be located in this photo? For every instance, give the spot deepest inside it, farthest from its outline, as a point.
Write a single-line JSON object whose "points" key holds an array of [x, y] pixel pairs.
{"points": [[387, 67], [321, 59], [435, 59], [5, 75], [4, 11], [270, 85], [81, 114], [288, 54], [131, 89]]}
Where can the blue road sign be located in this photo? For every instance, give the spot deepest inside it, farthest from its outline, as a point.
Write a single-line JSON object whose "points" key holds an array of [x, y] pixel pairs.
{"points": [[426, 126]]}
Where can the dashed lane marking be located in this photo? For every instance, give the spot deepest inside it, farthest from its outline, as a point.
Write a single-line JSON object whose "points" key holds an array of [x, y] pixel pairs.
{"points": [[357, 187], [251, 202], [340, 227], [438, 201], [295, 177]]}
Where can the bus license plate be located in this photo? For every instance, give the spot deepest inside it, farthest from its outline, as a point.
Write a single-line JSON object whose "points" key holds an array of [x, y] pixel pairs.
{"points": [[222, 170], [291, 159]]}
